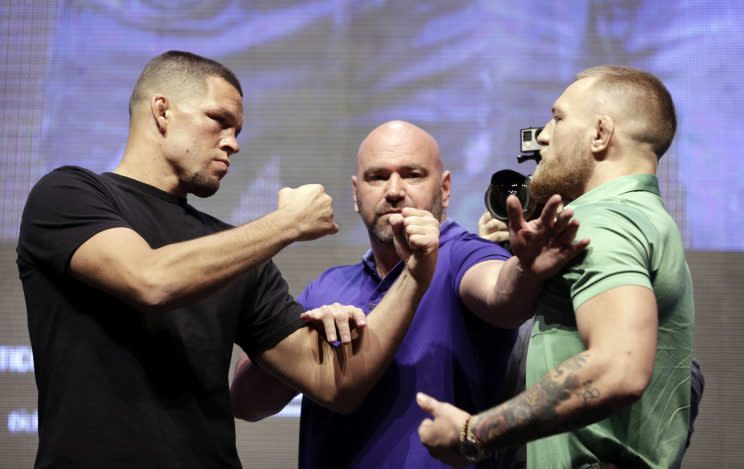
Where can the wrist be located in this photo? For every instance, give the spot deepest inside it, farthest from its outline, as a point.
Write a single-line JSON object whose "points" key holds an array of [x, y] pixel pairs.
{"points": [[525, 272], [469, 446], [286, 228]]}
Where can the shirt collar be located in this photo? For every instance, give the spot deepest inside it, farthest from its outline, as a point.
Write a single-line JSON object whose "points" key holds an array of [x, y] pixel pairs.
{"points": [[448, 230], [618, 186]]}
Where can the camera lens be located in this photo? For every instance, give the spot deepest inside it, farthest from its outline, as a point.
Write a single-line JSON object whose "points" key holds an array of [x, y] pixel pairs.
{"points": [[503, 184]]}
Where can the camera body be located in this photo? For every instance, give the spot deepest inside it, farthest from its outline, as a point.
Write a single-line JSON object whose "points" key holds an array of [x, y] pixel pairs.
{"points": [[529, 149], [508, 182], [528, 141]]}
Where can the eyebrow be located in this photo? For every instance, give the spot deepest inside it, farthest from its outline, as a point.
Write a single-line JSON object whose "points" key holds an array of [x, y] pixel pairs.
{"points": [[230, 114], [407, 167]]}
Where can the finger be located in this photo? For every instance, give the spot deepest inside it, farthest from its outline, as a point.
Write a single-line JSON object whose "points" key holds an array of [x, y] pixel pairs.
{"points": [[427, 403], [360, 320], [569, 233], [483, 223], [550, 210], [399, 238], [485, 218], [310, 315], [341, 317], [416, 212], [514, 212], [424, 431], [497, 225], [396, 222], [423, 242], [420, 220], [419, 229], [329, 324], [579, 246], [574, 249], [563, 221]]}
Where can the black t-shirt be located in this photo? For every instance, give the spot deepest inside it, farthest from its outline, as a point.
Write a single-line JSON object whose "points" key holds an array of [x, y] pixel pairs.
{"points": [[119, 387]]}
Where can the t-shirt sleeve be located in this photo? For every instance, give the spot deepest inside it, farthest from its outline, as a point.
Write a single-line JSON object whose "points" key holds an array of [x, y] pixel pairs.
{"points": [[270, 314], [619, 253], [471, 250], [304, 297], [64, 209]]}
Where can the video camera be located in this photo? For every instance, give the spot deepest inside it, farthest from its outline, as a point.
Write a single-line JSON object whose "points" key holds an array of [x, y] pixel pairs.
{"points": [[507, 182]]}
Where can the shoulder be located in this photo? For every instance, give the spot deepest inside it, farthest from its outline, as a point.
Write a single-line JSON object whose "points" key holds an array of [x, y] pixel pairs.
{"points": [[67, 186], [333, 283], [67, 177], [459, 245], [615, 218], [338, 273]]}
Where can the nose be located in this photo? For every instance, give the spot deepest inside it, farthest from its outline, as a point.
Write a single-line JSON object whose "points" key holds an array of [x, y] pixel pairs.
{"points": [[394, 189], [543, 138], [230, 145]]}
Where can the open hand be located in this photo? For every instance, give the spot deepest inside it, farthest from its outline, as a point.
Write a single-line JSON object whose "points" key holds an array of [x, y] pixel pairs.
{"points": [[336, 321], [544, 245]]}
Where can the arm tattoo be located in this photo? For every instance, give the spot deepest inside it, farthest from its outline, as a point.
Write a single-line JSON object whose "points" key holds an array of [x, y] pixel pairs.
{"points": [[533, 413]]}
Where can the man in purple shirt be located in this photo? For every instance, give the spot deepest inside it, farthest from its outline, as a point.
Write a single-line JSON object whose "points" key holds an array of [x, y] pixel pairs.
{"points": [[459, 341]]}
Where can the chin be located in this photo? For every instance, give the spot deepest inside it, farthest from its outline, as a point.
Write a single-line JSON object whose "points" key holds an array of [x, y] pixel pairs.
{"points": [[204, 190]]}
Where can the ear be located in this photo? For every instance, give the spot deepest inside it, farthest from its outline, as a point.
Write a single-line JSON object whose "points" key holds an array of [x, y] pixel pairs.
{"points": [[604, 128], [354, 192], [159, 111], [446, 182]]}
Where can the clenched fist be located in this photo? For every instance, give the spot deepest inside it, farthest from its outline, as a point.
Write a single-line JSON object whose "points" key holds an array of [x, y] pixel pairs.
{"points": [[416, 238], [492, 229], [309, 209]]}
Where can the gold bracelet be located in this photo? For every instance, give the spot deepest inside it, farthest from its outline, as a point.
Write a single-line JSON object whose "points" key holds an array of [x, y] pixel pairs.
{"points": [[464, 429]]}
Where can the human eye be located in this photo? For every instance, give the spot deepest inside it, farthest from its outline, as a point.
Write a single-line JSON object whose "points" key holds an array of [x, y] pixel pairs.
{"points": [[414, 174], [219, 119]]}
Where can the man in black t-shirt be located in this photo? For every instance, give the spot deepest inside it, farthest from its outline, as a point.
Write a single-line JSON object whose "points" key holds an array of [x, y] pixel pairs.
{"points": [[135, 298]]}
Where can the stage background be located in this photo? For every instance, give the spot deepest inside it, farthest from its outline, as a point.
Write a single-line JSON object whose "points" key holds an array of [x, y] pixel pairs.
{"points": [[319, 75]]}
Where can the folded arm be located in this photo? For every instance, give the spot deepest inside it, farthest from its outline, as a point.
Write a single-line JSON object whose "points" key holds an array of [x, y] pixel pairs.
{"points": [[340, 378], [256, 394]]}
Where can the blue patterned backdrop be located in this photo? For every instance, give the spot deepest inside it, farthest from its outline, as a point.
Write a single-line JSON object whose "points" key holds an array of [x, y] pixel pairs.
{"points": [[318, 75]]}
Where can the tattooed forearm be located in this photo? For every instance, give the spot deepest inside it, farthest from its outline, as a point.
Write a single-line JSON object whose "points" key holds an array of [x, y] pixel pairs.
{"points": [[534, 413], [588, 393]]}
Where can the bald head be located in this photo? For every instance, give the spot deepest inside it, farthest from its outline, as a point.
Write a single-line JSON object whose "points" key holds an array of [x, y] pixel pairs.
{"points": [[638, 102], [398, 165], [178, 73], [399, 139]]}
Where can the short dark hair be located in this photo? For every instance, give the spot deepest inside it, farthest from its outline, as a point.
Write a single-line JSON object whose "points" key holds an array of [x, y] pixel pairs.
{"points": [[180, 67], [651, 95]]}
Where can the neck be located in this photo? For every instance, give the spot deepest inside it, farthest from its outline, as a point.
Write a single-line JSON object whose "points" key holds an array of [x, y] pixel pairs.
{"points": [[142, 162], [385, 256], [615, 166]]}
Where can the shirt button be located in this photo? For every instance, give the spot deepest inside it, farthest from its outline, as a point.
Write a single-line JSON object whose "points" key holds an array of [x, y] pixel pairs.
{"points": [[371, 306]]}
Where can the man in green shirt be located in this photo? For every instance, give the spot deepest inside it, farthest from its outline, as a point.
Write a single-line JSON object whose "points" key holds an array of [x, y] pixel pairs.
{"points": [[608, 367]]}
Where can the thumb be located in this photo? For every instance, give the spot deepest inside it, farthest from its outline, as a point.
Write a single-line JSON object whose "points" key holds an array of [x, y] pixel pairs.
{"points": [[427, 403], [399, 236]]}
